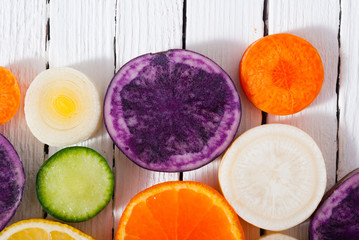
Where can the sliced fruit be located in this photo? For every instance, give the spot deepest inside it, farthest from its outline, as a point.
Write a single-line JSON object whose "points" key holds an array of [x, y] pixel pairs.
{"points": [[12, 181], [9, 95], [274, 176], [75, 184], [179, 211], [172, 111], [281, 74], [338, 215], [41, 229], [277, 236], [62, 107]]}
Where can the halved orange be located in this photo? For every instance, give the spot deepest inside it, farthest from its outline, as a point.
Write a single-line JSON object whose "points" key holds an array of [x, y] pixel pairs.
{"points": [[9, 95], [281, 74], [179, 210], [41, 229]]}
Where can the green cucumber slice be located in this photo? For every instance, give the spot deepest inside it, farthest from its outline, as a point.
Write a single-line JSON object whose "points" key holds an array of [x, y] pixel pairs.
{"points": [[75, 184]]}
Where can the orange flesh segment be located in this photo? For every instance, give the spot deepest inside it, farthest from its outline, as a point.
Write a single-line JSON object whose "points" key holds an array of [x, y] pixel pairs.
{"points": [[190, 203], [179, 213], [281, 74], [141, 224], [9, 95], [167, 219]]}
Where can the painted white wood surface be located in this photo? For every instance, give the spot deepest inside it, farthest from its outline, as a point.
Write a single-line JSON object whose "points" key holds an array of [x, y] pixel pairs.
{"points": [[222, 30], [349, 89], [318, 23], [142, 26], [81, 36], [22, 50]]}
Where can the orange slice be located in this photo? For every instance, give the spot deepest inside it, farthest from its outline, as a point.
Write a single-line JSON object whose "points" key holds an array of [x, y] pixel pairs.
{"points": [[41, 229], [9, 95], [179, 211], [281, 74]]}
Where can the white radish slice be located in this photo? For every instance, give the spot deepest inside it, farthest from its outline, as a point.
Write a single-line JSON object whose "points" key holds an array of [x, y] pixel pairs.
{"points": [[273, 176], [62, 107], [277, 236]]}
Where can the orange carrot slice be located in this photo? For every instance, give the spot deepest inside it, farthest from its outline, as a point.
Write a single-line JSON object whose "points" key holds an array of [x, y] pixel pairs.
{"points": [[281, 74], [9, 95]]}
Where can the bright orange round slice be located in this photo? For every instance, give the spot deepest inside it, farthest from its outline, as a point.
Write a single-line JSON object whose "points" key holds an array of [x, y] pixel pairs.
{"points": [[179, 211], [41, 229], [9, 95], [281, 74]]}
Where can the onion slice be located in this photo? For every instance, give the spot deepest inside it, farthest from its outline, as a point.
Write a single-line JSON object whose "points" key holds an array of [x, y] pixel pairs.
{"points": [[62, 107]]}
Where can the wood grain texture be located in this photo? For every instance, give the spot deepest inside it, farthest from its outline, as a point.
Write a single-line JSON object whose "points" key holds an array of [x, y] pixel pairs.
{"points": [[22, 50], [81, 36], [222, 30], [317, 22], [349, 89], [142, 26]]}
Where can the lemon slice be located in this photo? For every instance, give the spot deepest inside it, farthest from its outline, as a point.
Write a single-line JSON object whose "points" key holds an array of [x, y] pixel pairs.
{"points": [[273, 176], [41, 229], [62, 107]]}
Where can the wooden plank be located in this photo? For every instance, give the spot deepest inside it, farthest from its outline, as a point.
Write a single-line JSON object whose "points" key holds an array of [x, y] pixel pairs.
{"points": [[317, 22], [22, 50], [81, 36], [222, 30], [142, 26], [348, 90]]}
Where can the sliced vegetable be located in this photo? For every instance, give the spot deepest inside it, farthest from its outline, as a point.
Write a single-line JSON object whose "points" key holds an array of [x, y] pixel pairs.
{"points": [[172, 111], [281, 74], [179, 210], [62, 107], [12, 181], [274, 176], [75, 184], [41, 229], [277, 236], [338, 215], [9, 95]]}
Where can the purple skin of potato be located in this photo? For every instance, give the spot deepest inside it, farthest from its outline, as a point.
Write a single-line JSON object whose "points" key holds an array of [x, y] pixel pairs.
{"points": [[12, 181], [172, 111], [337, 218]]}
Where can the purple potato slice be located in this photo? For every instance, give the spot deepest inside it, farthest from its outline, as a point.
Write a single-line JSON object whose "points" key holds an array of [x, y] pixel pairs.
{"points": [[172, 111], [12, 181], [338, 215]]}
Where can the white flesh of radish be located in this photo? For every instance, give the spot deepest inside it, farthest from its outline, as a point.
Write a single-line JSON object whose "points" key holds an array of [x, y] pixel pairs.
{"points": [[62, 107], [277, 236], [273, 176]]}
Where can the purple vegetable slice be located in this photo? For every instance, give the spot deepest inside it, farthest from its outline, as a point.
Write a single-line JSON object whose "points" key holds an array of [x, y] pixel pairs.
{"points": [[172, 111], [12, 181], [338, 215]]}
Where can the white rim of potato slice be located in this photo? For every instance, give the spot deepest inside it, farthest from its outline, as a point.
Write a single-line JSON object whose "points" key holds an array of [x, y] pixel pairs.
{"points": [[62, 107], [274, 176]]}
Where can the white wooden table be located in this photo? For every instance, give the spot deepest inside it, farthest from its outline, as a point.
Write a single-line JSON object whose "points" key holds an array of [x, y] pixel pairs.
{"points": [[98, 37]]}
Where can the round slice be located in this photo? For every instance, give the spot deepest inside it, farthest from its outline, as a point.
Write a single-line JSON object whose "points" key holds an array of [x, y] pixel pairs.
{"points": [[12, 181], [62, 107], [75, 184], [41, 229], [9, 95], [281, 74], [338, 215], [179, 210], [274, 176], [172, 111], [277, 236]]}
